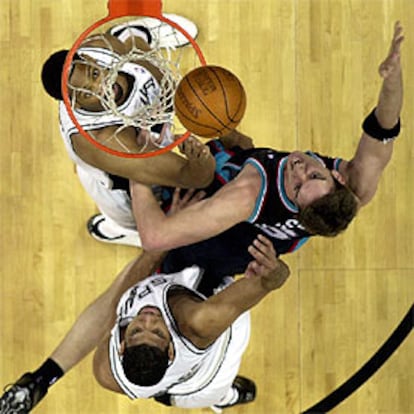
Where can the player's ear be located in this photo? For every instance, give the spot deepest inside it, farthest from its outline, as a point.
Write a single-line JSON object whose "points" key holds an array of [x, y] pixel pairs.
{"points": [[338, 177], [122, 347], [170, 351]]}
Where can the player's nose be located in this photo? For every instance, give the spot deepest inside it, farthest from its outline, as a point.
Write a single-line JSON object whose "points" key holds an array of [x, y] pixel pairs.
{"points": [[148, 319], [299, 172]]}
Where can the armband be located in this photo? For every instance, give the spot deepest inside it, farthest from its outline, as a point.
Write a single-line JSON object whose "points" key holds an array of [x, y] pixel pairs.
{"points": [[372, 127]]}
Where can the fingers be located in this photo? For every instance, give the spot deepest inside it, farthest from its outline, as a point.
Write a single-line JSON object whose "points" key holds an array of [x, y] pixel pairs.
{"points": [[189, 198], [398, 37], [263, 251], [194, 149], [254, 269]]}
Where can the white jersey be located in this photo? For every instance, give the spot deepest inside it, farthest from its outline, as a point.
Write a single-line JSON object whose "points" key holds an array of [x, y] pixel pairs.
{"points": [[192, 369], [144, 88]]}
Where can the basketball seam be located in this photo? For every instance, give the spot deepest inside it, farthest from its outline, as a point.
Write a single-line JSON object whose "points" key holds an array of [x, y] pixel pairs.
{"points": [[204, 105], [183, 115], [229, 116]]}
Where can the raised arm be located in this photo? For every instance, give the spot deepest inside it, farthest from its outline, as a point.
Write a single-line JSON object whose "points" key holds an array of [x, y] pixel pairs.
{"points": [[97, 320], [375, 148], [232, 204], [207, 320], [195, 170]]}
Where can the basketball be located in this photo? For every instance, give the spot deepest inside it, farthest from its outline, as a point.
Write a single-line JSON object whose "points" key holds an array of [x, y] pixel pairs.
{"points": [[210, 101]]}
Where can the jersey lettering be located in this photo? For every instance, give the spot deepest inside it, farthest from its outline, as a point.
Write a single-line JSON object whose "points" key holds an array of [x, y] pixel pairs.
{"points": [[147, 91], [139, 292], [283, 231]]}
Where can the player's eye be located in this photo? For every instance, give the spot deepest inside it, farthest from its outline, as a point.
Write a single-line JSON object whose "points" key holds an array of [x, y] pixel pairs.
{"points": [[95, 73], [135, 331], [316, 176], [159, 333]]}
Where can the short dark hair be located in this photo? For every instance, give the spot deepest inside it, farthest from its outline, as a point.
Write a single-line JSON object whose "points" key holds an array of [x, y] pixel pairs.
{"points": [[52, 74], [144, 365], [331, 214]]}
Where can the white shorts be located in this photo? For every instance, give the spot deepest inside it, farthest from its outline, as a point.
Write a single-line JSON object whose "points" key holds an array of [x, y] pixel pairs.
{"points": [[217, 390], [113, 204]]}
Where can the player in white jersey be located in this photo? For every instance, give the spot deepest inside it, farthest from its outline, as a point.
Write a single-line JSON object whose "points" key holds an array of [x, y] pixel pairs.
{"points": [[161, 338], [105, 176]]}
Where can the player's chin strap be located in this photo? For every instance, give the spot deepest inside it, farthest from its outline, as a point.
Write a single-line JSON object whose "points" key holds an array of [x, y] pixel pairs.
{"points": [[216, 409]]}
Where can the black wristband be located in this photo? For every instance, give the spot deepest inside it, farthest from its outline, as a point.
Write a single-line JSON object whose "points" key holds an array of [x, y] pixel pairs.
{"points": [[372, 127], [164, 399]]}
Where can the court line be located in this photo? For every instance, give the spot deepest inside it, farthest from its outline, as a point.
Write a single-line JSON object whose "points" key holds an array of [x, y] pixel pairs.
{"points": [[368, 369]]}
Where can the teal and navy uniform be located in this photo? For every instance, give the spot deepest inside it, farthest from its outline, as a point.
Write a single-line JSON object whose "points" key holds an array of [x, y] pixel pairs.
{"points": [[274, 215]]}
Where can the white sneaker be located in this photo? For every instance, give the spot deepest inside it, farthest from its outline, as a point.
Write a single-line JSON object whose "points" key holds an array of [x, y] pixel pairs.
{"points": [[157, 33], [101, 229]]}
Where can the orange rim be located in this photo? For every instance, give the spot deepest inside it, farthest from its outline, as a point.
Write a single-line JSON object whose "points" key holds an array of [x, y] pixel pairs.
{"points": [[122, 8]]}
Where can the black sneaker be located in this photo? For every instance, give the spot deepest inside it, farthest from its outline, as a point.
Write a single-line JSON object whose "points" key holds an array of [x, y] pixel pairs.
{"points": [[22, 396], [246, 389], [99, 229]]}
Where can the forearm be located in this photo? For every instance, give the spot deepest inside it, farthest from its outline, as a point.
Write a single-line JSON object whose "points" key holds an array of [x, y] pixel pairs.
{"points": [[196, 174], [148, 215], [238, 298], [391, 95], [390, 101], [199, 221], [84, 335], [214, 316]]}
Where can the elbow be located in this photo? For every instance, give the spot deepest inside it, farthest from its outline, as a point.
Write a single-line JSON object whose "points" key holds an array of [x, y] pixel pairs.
{"points": [[152, 242]]}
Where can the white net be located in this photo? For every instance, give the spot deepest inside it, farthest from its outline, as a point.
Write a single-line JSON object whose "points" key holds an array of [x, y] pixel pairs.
{"points": [[122, 83]]}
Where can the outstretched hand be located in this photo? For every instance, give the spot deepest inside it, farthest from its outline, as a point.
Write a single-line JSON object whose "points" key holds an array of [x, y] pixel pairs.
{"points": [[272, 271], [391, 64]]}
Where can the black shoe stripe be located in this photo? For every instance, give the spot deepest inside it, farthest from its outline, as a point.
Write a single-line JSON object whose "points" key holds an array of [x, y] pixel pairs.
{"points": [[94, 230]]}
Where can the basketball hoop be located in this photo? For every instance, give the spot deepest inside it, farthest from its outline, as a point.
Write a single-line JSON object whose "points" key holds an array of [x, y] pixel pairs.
{"points": [[161, 65]]}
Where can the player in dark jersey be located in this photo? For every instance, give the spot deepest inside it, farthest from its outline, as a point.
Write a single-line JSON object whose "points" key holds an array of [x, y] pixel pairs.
{"points": [[288, 196], [226, 253]]}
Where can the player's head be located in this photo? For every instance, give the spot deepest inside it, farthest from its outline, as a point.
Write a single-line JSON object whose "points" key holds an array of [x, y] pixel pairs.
{"points": [[326, 205], [85, 78], [330, 214], [147, 348]]}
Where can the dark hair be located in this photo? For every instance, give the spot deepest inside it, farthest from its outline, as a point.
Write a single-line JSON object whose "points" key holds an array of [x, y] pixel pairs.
{"points": [[52, 73], [144, 364], [330, 214]]}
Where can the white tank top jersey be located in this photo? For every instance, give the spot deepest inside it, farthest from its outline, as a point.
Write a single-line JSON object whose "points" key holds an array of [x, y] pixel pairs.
{"points": [[144, 88], [192, 369]]}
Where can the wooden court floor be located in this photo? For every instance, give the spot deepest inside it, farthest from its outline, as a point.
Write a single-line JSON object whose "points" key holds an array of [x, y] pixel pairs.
{"points": [[310, 71]]}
